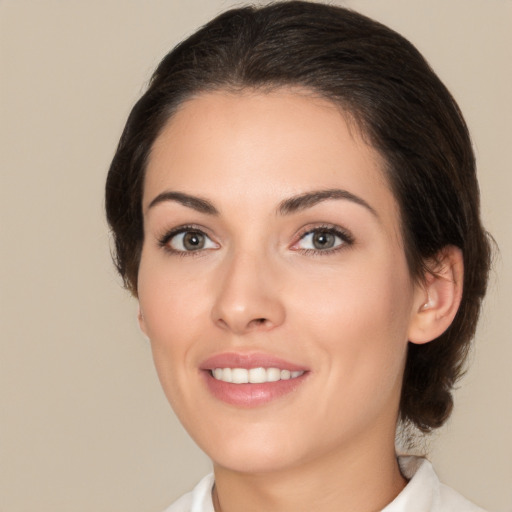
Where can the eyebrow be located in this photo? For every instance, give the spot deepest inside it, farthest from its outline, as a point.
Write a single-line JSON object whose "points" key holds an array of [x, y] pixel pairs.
{"points": [[288, 206], [196, 203], [310, 199]]}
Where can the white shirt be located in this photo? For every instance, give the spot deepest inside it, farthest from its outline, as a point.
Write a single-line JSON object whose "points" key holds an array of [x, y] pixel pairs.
{"points": [[423, 493]]}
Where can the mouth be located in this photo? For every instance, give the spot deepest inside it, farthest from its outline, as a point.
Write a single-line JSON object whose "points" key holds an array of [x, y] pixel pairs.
{"points": [[251, 380], [258, 375]]}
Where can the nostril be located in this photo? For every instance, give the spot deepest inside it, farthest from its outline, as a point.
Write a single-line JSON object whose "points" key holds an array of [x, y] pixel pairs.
{"points": [[222, 323], [256, 323]]}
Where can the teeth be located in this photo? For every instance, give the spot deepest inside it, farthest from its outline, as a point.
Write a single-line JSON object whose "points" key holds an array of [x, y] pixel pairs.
{"points": [[254, 375], [285, 374], [257, 375], [239, 376], [273, 374]]}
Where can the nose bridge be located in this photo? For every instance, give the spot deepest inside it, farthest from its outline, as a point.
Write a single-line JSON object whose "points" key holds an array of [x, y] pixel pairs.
{"points": [[248, 297]]}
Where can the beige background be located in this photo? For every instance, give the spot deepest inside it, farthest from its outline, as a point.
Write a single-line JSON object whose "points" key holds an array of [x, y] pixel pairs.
{"points": [[84, 426]]}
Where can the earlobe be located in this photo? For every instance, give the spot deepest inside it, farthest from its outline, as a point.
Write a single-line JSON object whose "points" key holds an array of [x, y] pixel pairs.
{"points": [[142, 323], [437, 300]]}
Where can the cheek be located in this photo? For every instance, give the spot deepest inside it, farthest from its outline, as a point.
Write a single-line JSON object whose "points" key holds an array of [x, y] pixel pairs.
{"points": [[175, 312], [369, 295], [166, 297], [359, 320], [173, 321], [363, 337]]}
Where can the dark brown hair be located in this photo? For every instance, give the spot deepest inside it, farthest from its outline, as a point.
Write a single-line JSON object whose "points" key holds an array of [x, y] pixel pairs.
{"points": [[400, 106]]}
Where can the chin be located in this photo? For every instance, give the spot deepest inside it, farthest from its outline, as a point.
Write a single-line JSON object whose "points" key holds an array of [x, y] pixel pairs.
{"points": [[257, 461], [261, 449]]}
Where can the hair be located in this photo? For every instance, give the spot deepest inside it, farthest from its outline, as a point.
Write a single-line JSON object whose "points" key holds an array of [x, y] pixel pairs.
{"points": [[403, 110]]}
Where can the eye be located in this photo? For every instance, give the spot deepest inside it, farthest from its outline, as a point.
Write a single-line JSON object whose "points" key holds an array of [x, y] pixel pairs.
{"points": [[323, 239], [187, 240]]}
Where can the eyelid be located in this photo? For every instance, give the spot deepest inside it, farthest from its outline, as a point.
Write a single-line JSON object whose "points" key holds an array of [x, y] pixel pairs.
{"points": [[343, 234], [163, 240], [347, 239]]}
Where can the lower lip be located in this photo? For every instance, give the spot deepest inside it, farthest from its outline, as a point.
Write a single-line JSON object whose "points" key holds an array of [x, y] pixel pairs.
{"points": [[251, 395]]}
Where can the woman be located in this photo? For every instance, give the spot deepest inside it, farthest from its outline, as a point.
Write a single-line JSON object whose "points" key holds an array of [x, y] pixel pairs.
{"points": [[294, 204]]}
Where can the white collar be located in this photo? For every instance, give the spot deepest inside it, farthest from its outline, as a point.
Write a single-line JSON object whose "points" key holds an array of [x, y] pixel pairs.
{"points": [[423, 493]]}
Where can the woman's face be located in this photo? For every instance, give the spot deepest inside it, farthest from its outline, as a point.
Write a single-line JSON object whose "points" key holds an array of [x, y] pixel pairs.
{"points": [[273, 253]]}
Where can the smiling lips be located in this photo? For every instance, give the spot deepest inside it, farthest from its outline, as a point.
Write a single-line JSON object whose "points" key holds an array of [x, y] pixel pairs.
{"points": [[250, 380], [254, 375]]}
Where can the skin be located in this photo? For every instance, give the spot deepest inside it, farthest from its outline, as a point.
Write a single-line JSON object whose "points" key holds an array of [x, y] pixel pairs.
{"points": [[345, 315]]}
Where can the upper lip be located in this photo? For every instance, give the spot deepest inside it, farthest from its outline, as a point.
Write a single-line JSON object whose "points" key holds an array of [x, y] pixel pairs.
{"points": [[248, 361]]}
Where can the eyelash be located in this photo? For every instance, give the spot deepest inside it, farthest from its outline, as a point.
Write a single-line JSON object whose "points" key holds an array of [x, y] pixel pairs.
{"points": [[164, 240], [345, 236]]}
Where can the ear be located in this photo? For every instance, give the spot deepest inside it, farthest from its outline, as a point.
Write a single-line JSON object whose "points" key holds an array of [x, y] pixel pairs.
{"points": [[142, 322], [437, 299]]}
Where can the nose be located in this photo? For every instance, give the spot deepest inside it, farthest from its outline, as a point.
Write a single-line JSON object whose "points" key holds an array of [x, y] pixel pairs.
{"points": [[248, 297]]}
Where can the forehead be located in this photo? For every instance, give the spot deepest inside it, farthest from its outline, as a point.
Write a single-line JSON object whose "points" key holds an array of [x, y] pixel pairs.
{"points": [[253, 147]]}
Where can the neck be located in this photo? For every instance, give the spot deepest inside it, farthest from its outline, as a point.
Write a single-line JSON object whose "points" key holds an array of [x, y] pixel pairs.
{"points": [[365, 481]]}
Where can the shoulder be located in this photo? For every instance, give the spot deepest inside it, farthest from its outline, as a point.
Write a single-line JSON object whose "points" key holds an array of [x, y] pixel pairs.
{"points": [[197, 500], [425, 493]]}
